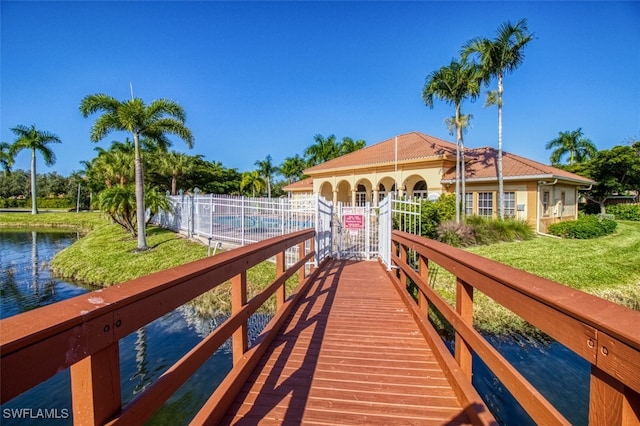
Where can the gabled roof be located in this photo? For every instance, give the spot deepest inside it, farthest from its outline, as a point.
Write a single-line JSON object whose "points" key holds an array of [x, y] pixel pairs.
{"points": [[411, 146], [481, 164]]}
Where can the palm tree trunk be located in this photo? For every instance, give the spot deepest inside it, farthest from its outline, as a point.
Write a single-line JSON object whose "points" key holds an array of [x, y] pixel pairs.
{"points": [[140, 208], [174, 184], [34, 193], [463, 195], [500, 177], [458, 132]]}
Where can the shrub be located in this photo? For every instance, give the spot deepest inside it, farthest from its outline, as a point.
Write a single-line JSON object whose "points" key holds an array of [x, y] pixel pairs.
{"points": [[625, 211], [455, 234], [584, 228], [433, 213]]}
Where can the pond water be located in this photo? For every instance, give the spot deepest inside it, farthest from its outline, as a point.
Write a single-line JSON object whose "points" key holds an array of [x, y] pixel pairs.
{"points": [[25, 283]]}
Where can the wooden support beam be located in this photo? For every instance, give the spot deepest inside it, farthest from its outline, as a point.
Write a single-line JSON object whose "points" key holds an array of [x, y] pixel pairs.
{"points": [[464, 306], [280, 268], [238, 300], [423, 269], [611, 403], [95, 387]]}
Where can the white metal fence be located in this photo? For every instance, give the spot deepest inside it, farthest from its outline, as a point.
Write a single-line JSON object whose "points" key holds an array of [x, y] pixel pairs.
{"points": [[344, 231], [243, 220], [402, 214]]}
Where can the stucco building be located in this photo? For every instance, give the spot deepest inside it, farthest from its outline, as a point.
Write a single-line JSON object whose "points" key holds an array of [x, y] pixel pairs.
{"points": [[419, 165]]}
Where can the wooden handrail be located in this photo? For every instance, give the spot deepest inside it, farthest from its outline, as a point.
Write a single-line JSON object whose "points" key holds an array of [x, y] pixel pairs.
{"points": [[605, 334], [82, 333]]}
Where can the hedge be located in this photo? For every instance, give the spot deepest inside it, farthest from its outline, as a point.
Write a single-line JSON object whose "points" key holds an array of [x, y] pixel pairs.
{"points": [[584, 228], [625, 211]]}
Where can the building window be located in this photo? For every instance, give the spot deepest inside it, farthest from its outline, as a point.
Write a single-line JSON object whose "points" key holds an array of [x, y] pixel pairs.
{"points": [[509, 204], [361, 195], [485, 204], [563, 201], [468, 203], [545, 203], [420, 190], [382, 192]]}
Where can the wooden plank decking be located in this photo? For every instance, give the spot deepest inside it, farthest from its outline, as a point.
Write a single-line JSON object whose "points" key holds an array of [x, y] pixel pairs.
{"points": [[350, 354]]}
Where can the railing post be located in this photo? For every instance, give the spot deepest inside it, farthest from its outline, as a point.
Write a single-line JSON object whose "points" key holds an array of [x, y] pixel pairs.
{"points": [[95, 387], [312, 247], [423, 268], [301, 272], [611, 403], [404, 256], [239, 341], [464, 306], [280, 292]]}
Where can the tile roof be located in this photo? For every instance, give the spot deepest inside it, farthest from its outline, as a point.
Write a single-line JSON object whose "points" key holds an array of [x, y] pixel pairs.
{"points": [[301, 185], [481, 162], [411, 146]]}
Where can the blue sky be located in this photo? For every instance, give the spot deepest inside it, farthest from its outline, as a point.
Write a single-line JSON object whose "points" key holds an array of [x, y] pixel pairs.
{"points": [[262, 78]]}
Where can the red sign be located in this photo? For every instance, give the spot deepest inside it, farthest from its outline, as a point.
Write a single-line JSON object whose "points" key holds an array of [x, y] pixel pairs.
{"points": [[353, 221]]}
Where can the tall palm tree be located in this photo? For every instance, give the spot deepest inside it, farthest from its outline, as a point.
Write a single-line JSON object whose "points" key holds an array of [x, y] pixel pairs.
{"points": [[292, 168], [324, 149], [454, 83], [154, 122], [498, 57], [252, 180], [463, 123], [36, 141], [6, 159], [573, 143], [267, 170]]}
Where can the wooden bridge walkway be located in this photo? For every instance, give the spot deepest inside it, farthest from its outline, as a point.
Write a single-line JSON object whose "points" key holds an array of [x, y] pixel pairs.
{"points": [[349, 345], [350, 353]]}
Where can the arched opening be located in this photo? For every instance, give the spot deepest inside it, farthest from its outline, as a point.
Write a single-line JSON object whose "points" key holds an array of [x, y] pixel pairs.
{"points": [[419, 190]]}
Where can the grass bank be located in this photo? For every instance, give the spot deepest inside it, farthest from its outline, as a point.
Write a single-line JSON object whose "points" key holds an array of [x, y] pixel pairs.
{"points": [[105, 256], [608, 267]]}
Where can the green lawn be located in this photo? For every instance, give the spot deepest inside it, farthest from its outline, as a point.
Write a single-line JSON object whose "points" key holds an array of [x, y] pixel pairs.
{"points": [[608, 267]]}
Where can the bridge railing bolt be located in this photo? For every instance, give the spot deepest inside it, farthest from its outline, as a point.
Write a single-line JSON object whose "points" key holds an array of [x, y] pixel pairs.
{"points": [[604, 351]]}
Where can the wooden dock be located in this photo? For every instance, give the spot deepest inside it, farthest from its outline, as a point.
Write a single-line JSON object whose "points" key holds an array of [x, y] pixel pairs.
{"points": [[350, 354]]}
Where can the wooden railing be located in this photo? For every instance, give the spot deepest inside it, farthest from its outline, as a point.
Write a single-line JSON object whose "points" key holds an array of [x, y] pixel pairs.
{"points": [[82, 333], [605, 334]]}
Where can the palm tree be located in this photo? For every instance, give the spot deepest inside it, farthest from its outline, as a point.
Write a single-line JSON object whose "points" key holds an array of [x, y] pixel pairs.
{"points": [[324, 149], [499, 57], [573, 143], [463, 123], [292, 168], [153, 121], [6, 159], [349, 145], [176, 164], [453, 84], [36, 141], [253, 180], [267, 170]]}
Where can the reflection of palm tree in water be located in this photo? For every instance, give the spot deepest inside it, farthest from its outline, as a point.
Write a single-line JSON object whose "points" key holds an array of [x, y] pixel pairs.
{"points": [[35, 270], [142, 374], [49, 286]]}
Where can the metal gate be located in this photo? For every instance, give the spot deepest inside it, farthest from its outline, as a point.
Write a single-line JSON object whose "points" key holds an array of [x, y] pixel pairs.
{"points": [[355, 232]]}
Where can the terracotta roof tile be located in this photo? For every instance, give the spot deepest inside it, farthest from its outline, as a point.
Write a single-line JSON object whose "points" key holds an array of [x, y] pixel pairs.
{"points": [[482, 164], [411, 146], [301, 185]]}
